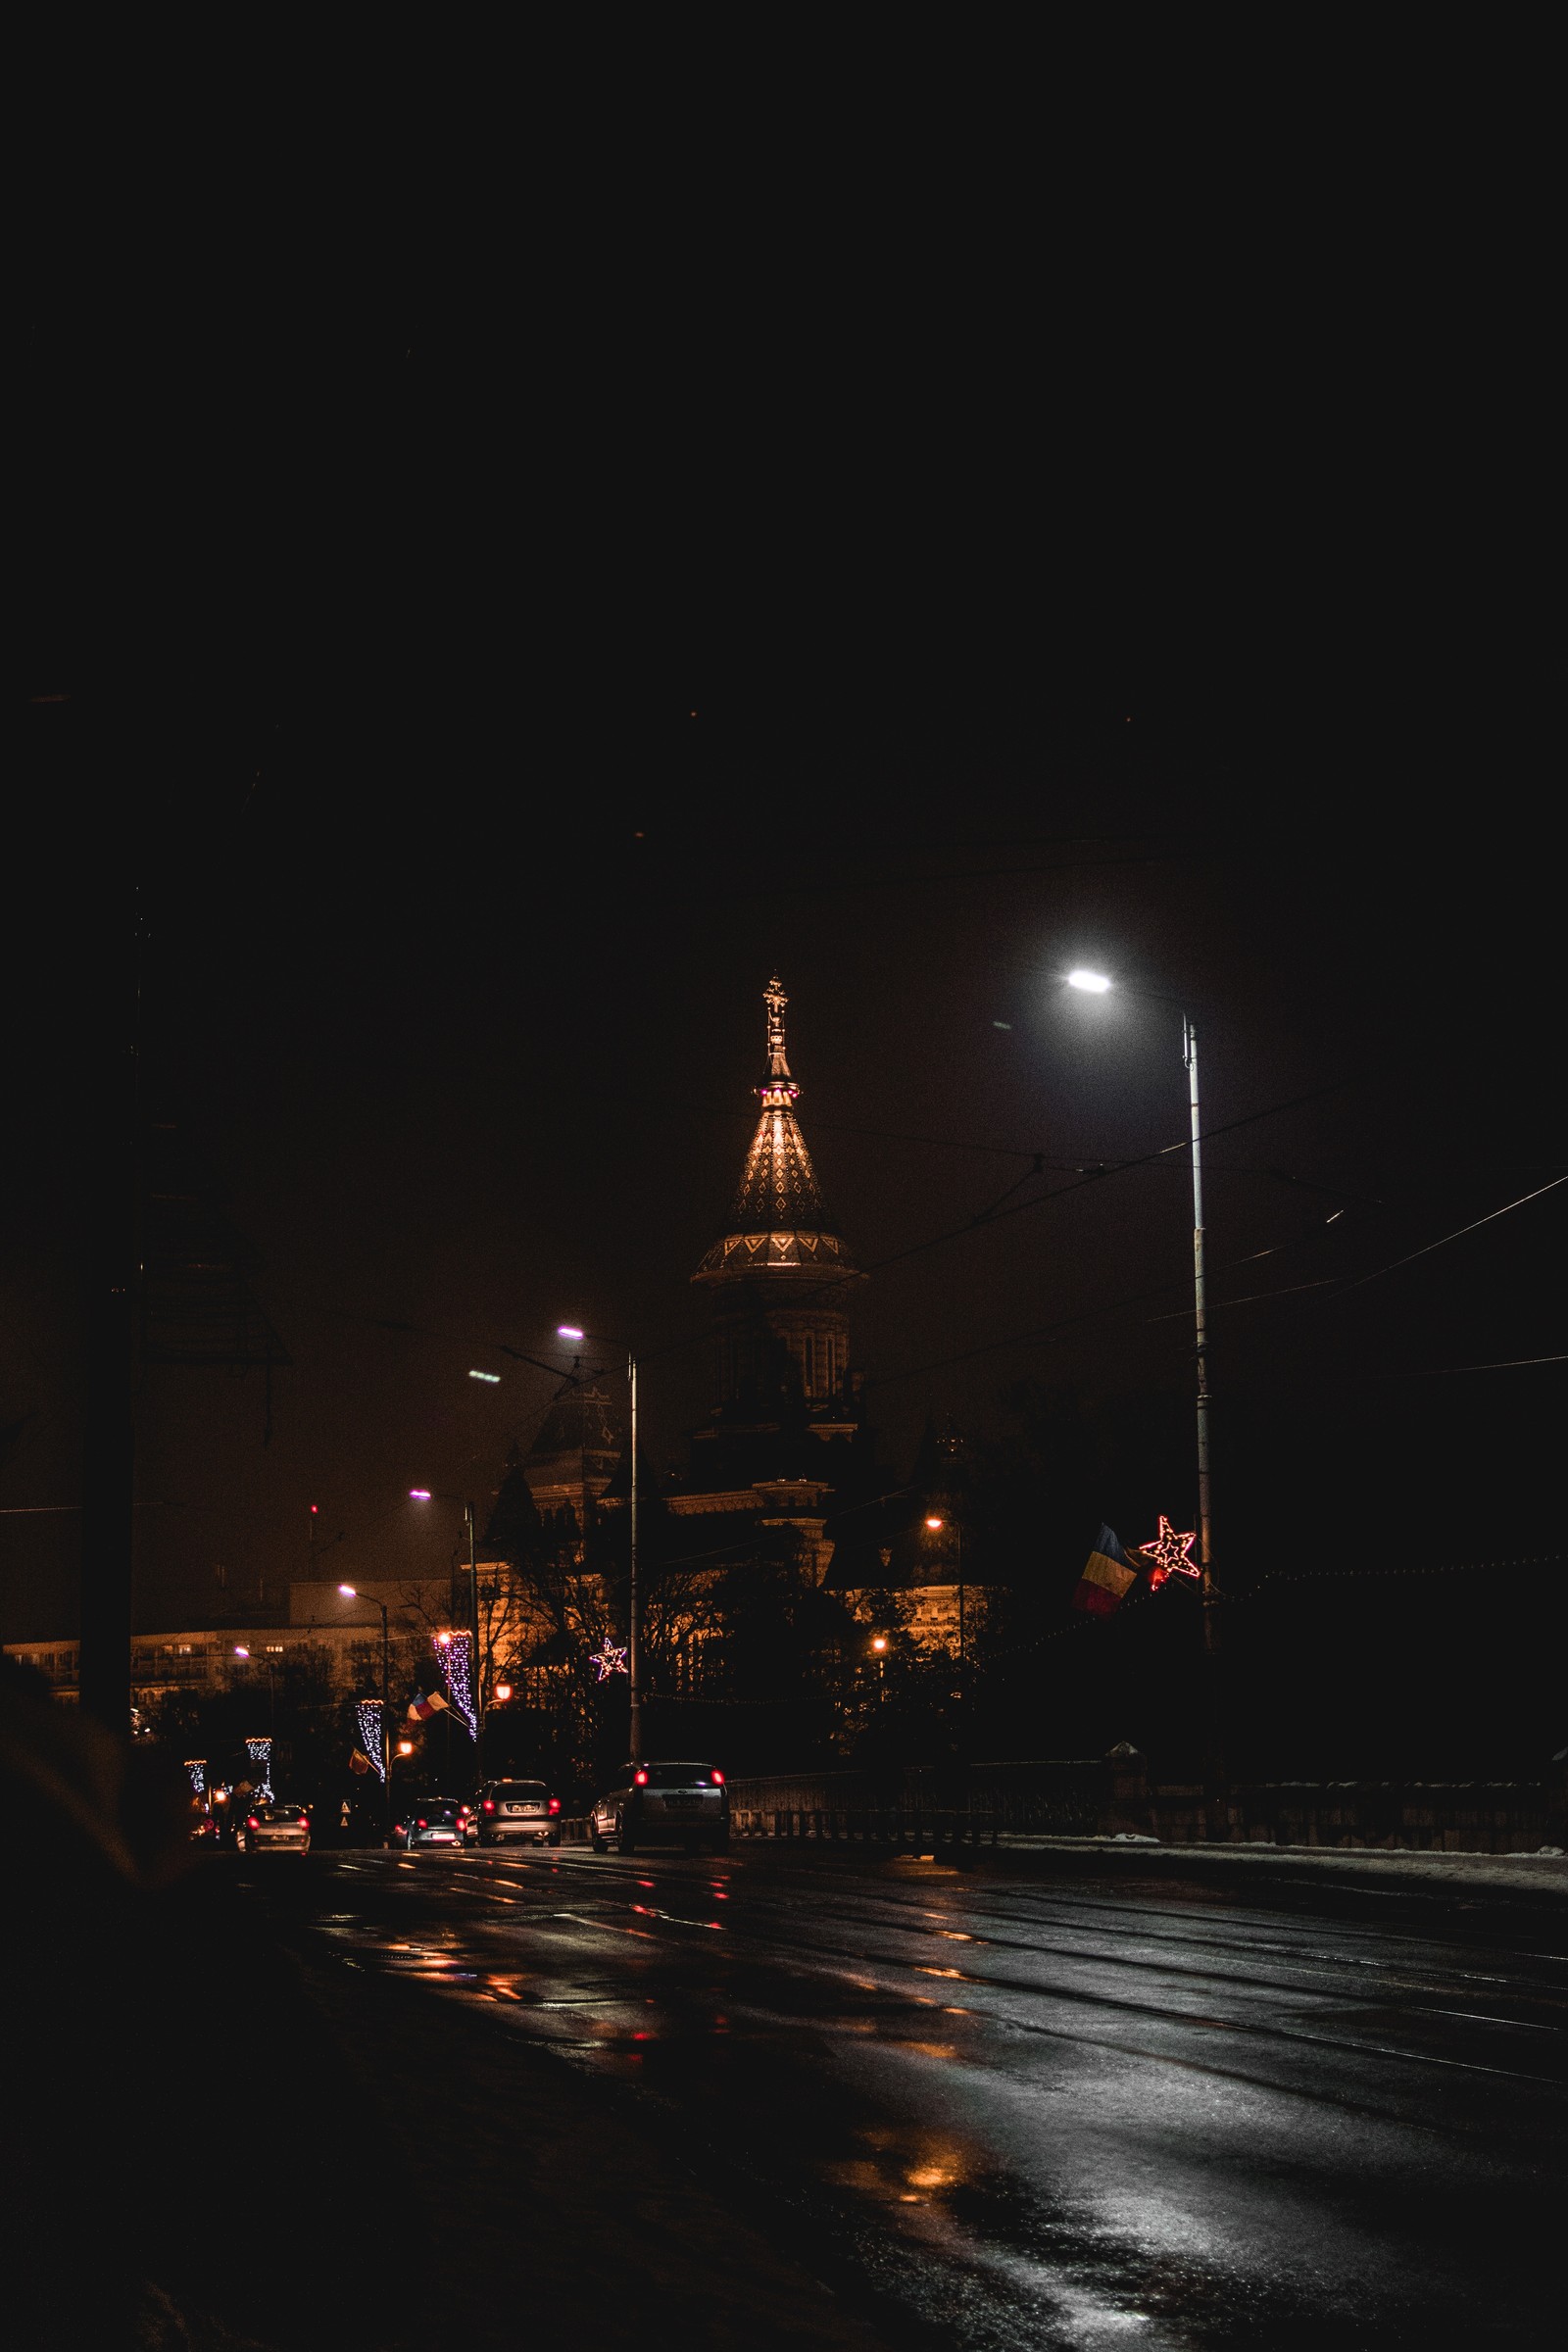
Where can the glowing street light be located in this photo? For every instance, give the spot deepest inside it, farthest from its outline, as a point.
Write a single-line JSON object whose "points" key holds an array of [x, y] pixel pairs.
{"points": [[934, 1524], [502, 1692], [240, 1650], [879, 1642], [1094, 984], [569, 1331], [419, 1495]]}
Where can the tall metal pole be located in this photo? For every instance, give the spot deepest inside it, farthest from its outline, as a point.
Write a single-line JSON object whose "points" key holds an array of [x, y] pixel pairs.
{"points": [[634, 1629], [478, 1678], [1200, 1341], [963, 1670], [113, 1285], [386, 1724]]}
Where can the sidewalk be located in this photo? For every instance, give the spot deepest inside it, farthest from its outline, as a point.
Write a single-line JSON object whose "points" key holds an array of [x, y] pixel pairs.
{"points": [[1543, 1876]]}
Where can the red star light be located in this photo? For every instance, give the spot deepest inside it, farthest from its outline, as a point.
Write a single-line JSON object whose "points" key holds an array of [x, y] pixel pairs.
{"points": [[1168, 1552]]}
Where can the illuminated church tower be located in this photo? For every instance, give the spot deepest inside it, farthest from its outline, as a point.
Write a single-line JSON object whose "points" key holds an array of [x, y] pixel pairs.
{"points": [[778, 1280]]}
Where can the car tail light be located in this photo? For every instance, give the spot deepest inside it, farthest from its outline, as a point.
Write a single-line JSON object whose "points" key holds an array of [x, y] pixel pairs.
{"points": [[718, 1780], [305, 1821], [489, 1804], [251, 1822], [554, 1804], [422, 1825], [641, 1779]]}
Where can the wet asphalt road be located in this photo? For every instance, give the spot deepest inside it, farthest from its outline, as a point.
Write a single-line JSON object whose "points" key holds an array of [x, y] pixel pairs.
{"points": [[1013, 2111]]}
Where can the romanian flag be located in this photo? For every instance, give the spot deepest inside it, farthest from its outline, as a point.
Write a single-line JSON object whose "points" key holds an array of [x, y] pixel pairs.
{"points": [[1107, 1578], [359, 1761], [426, 1704]]}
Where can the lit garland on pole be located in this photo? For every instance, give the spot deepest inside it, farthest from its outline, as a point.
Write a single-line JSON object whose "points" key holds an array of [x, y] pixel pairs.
{"points": [[1169, 1555], [609, 1660], [367, 1714], [196, 1766], [260, 1751], [453, 1651]]}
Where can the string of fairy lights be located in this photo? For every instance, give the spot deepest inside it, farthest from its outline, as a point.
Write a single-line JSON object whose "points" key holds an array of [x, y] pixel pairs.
{"points": [[367, 1714], [260, 1751], [455, 1651]]}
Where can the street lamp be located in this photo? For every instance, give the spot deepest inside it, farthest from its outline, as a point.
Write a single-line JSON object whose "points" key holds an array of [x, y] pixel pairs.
{"points": [[570, 1331], [352, 1593], [240, 1652], [425, 1494], [1096, 983], [936, 1523]]}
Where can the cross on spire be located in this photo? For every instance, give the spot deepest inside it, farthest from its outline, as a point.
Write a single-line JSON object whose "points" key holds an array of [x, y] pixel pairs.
{"points": [[780, 1089]]}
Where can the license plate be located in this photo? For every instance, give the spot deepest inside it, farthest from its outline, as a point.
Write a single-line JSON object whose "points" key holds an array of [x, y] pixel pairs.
{"points": [[683, 1804]]}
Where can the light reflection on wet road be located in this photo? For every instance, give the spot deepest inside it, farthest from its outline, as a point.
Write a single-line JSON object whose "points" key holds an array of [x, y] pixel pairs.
{"points": [[1042, 2113]]}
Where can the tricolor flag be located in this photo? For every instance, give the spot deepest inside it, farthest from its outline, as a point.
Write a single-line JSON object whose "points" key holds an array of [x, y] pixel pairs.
{"points": [[426, 1704], [359, 1761], [1107, 1577]]}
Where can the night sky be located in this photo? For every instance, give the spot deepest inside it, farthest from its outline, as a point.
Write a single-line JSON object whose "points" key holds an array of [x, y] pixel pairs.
{"points": [[469, 811]]}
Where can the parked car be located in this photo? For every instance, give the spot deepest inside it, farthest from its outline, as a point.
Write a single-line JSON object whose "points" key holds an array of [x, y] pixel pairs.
{"points": [[662, 1804], [517, 1813], [430, 1821], [276, 1828]]}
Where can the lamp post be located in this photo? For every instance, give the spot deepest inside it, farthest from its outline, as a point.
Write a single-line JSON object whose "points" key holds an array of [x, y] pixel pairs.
{"points": [[351, 1593], [426, 1495], [570, 1331], [936, 1523], [241, 1651], [1096, 983]]}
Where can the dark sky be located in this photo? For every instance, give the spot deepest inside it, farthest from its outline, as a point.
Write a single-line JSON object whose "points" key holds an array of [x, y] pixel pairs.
{"points": [[473, 786]]}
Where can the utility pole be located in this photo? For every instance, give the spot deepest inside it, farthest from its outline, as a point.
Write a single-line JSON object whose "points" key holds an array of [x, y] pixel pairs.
{"points": [[478, 1675], [1200, 1341], [109, 1452], [634, 1628]]}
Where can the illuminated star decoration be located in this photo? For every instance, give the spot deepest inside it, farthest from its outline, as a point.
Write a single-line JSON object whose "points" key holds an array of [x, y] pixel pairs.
{"points": [[609, 1660], [1168, 1552]]}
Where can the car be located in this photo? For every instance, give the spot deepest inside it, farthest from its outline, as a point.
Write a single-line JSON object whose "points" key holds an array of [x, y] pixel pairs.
{"points": [[518, 1812], [276, 1828], [662, 1804], [430, 1821]]}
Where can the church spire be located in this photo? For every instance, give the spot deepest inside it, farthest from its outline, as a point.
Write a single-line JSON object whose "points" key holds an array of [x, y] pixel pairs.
{"points": [[776, 1220], [779, 1089]]}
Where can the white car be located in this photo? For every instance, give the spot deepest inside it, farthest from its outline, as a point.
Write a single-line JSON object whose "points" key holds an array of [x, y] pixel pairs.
{"points": [[517, 1813]]}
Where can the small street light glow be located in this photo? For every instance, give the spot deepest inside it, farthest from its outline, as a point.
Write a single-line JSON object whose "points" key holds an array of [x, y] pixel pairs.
{"points": [[936, 1523], [350, 1591], [404, 1747], [1095, 981], [879, 1641], [493, 1378], [567, 1331], [240, 1650], [418, 1493], [502, 1692]]}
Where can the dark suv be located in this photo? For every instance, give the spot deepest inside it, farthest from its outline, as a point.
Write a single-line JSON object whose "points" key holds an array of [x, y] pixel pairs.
{"points": [[662, 1804]]}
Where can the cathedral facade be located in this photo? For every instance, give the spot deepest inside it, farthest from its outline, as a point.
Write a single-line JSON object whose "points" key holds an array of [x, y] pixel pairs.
{"points": [[784, 1454]]}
